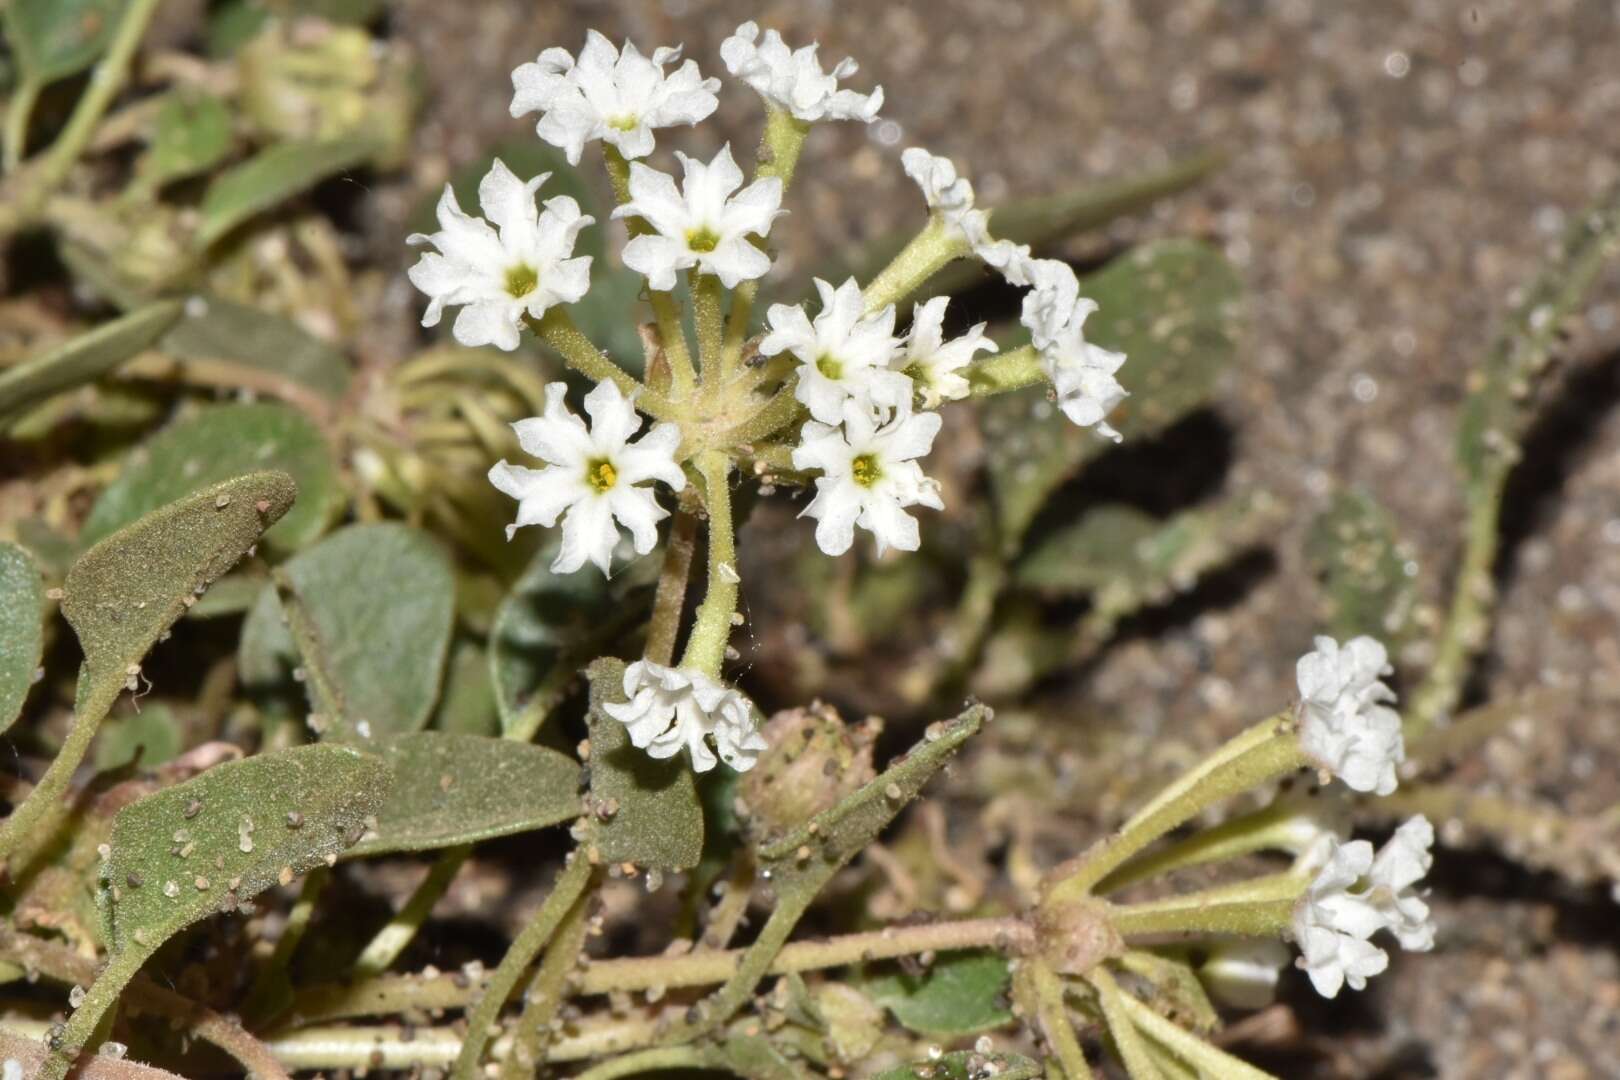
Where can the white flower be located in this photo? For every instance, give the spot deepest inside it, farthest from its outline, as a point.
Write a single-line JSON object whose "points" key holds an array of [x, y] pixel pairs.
{"points": [[591, 475], [1332, 925], [842, 355], [794, 79], [500, 276], [869, 476], [1345, 725], [703, 225], [1244, 973], [1050, 303], [1011, 260], [617, 97], [934, 364], [948, 195], [674, 708], [1082, 373]]}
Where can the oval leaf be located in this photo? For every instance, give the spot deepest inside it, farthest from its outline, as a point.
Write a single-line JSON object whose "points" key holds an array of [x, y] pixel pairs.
{"points": [[1362, 566], [230, 344], [371, 609], [456, 789], [1171, 307], [22, 600], [190, 135], [58, 38], [128, 589], [273, 175], [223, 837], [658, 820], [83, 359], [960, 994], [218, 442]]}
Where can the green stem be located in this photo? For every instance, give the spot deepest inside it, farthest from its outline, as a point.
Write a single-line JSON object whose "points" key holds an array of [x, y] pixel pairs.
{"points": [[665, 311], [1258, 907], [546, 992], [1468, 622], [105, 82], [670, 597], [919, 260], [656, 1059], [18, 112], [1127, 1040], [1275, 828], [272, 978], [557, 329], [781, 411], [386, 945], [1053, 1016], [1001, 373], [102, 995], [706, 290], [572, 882], [48, 792], [1265, 751], [711, 629], [396, 1046], [1209, 1060]]}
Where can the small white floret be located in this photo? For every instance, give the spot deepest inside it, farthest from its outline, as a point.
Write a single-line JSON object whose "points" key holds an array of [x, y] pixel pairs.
{"points": [[595, 476], [933, 364], [842, 354], [499, 274], [617, 96], [1244, 973], [869, 476], [701, 224], [671, 709], [794, 79], [1082, 373], [1345, 723]]}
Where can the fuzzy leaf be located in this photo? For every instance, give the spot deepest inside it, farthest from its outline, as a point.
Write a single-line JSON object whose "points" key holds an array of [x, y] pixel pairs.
{"points": [[190, 135], [152, 735], [659, 820], [22, 637], [83, 359], [467, 704], [230, 833], [57, 38], [272, 176], [1361, 565], [551, 624], [960, 994], [967, 1065], [218, 442], [1171, 307], [242, 342], [371, 608], [128, 589], [457, 789]]}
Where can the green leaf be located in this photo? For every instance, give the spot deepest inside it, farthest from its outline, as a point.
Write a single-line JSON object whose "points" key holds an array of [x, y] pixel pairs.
{"points": [[967, 1065], [551, 624], [272, 176], [249, 345], [1362, 566], [220, 441], [372, 608], [128, 589], [223, 837], [233, 594], [82, 359], [1172, 308], [57, 38], [657, 820], [960, 994], [458, 789], [190, 135], [467, 705], [153, 735], [22, 637]]}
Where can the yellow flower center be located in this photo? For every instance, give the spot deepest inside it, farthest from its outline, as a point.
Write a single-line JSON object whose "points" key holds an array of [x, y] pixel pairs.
{"points": [[702, 239], [521, 280], [866, 470], [830, 366], [601, 475], [627, 122]]}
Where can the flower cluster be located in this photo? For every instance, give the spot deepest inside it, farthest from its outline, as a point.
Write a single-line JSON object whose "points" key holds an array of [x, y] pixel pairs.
{"points": [[1346, 725], [859, 393], [1332, 924]]}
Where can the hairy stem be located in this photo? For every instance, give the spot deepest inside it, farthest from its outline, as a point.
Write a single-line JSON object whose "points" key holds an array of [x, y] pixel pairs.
{"points": [[1002, 373], [557, 329], [711, 629], [654, 1060], [670, 596], [1208, 1060], [919, 260], [778, 156], [1127, 1040], [19, 110], [575, 876], [1278, 827], [386, 945], [548, 989], [1053, 1016], [48, 792], [81, 1026], [261, 999], [710, 324]]}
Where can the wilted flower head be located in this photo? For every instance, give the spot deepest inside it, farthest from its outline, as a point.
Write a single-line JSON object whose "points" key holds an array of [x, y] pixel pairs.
{"points": [[619, 97], [593, 475], [933, 364], [670, 709], [1332, 924], [843, 353], [1345, 725], [869, 476], [519, 267], [701, 225], [948, 195], [794, 80]]}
